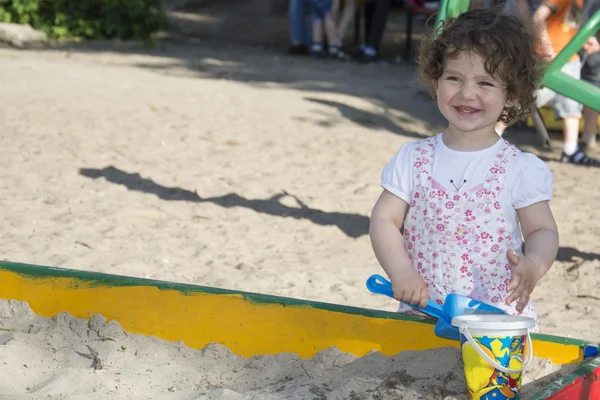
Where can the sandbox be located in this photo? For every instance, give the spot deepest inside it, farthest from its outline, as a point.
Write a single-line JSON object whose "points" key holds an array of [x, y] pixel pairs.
{"points": [[65, 357], [67, 334]]}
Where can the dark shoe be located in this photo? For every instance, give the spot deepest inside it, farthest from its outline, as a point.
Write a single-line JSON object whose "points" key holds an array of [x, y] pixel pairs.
{"points": [[361, 57], [580, 158], [298, 49]]}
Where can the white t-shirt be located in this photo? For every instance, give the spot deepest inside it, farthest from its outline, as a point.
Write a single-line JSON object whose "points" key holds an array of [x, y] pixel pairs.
{"points": [[529, 181]]}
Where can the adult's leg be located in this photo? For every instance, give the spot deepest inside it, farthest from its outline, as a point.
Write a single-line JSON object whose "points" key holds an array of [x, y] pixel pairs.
{"points": [[300, 36], [381, 9], [590, 72], [380, 14], [369, 12], [590, 127]]}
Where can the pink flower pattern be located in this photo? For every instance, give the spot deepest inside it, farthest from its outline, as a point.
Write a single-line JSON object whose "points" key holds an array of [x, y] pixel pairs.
{"points": [[461, 246]]}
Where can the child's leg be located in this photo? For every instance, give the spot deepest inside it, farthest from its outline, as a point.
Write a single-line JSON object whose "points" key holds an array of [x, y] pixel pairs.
{"points": [[590, 127], [317, 36], [346, 19], [325, 10], [571, 134], [334, 41], [331, 31], [335, 10], [317, 31], [319, 8], [570, 111]]}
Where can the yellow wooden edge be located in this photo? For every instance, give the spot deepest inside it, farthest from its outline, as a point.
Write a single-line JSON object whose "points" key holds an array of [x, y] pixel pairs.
{"points": [[246, 326]]}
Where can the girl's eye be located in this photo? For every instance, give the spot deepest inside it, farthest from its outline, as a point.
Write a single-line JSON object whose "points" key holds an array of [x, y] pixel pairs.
{"points": [[486, 83], [453, 78]]}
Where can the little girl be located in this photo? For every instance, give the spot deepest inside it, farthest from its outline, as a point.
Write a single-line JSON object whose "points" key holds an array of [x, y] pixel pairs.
{"points": [[465, 197]]}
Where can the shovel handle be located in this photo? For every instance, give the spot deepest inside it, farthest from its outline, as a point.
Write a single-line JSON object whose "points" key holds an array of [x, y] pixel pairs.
{"points": [[379, 285]]}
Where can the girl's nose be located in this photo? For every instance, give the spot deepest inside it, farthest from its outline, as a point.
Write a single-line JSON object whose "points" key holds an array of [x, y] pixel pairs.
{"points": [[467, 91]]}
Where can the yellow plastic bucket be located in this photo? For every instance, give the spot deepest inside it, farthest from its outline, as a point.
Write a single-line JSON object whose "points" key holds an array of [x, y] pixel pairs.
{"points": [[496, 349]]}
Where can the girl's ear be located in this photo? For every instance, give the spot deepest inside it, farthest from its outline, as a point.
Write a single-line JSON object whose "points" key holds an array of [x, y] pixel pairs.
{"points": [[511, 104], [434, 84]]}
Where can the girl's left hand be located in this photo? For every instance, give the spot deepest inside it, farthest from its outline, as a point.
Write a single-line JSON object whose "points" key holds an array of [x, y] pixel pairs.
{"points": [[525, 275]]}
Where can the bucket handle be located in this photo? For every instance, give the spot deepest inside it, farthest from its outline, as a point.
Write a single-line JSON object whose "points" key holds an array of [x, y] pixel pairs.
{"points": [[465, 331]]}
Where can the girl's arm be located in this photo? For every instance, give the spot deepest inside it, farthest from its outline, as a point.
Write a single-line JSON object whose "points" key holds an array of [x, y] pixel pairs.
{"points": [[388, 245], [541, 235], [541, 247]]}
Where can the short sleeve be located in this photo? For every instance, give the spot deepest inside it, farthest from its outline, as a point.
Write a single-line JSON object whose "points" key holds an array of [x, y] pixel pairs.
{"points": [[397, 176], [533, 181]]}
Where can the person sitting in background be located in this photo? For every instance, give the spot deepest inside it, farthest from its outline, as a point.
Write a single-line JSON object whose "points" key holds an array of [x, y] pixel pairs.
{"points": [[555, 23], [324, 27]]}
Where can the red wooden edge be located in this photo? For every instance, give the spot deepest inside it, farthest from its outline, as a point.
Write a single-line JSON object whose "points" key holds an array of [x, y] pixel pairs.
{"points": [[585, 387]]}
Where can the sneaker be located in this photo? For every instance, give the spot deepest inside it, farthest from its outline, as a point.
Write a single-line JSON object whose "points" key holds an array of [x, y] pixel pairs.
{"points": [[579, 158]]}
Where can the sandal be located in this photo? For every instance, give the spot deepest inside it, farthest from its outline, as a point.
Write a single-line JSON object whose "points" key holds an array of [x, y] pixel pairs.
{"points": [[580, 158]]}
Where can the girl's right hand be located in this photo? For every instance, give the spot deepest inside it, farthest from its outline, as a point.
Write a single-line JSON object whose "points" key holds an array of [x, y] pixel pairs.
{"points": [[409, 287]]}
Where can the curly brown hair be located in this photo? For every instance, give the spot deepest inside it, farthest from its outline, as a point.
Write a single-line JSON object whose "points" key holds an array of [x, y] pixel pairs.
{"points": [[503, 41]]}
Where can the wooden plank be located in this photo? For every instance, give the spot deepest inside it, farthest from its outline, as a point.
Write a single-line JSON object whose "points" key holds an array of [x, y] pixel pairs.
{"points": [[247, 323], [582, 384]]}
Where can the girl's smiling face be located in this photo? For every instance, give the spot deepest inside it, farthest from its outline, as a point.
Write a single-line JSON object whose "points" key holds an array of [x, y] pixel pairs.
{"points": [[469, 98]]}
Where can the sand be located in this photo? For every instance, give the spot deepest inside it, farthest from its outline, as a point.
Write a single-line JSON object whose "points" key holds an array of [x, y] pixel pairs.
{"points": [[168, 173], [43, 358], [227, 163]]}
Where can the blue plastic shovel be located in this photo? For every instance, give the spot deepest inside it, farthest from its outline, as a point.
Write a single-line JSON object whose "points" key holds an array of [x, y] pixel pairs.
{"points": [[454, 305]]}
